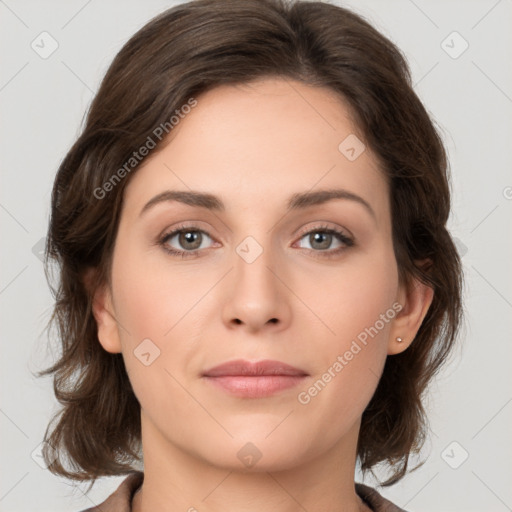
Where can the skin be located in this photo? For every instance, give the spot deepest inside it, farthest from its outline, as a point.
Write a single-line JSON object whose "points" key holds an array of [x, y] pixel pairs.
{"points": [[254, 145]]}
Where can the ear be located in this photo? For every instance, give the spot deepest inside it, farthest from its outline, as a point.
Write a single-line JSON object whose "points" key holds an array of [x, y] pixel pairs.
{"points": [[104, 314], [415, 301]]}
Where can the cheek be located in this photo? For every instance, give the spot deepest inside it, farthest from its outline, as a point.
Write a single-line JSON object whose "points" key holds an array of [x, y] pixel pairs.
{"points": [[355, 305], [153, 298], [353, 297], [155, 310]]}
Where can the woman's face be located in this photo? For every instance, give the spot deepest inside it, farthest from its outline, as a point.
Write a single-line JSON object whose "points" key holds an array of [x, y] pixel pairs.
{"points": [[254, 279]]}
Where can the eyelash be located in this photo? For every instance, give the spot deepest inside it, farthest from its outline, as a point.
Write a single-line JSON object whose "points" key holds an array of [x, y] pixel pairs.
{"points": [[342, 237]]}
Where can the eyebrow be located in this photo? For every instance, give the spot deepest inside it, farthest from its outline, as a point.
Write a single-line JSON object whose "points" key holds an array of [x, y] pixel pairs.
{"points": [[298, 201]]}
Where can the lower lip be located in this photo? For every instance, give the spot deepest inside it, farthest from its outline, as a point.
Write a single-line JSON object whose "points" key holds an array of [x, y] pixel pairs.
{"points": [[256, 386]]}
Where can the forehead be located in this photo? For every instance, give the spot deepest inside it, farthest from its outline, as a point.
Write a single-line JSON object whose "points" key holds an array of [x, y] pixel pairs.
{"points": [[264, 140]]}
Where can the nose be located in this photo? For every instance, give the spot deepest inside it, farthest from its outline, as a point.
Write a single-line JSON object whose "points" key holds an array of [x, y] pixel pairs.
{"points": [[257, 297]]}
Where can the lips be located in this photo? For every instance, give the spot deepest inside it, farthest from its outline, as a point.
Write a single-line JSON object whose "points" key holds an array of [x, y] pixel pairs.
{"points": [[243, 368], [262, 379]]}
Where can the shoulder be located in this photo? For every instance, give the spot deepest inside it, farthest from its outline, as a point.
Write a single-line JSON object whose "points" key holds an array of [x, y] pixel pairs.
{"points": [[375, 501], [120, 499]]}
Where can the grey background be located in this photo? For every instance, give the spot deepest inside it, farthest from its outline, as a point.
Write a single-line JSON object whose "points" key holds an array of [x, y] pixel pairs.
{"points": [[42, 104]]}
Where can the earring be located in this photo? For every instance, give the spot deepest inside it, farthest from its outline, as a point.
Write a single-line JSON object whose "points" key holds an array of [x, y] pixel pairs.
{"points": [[399, 340]]}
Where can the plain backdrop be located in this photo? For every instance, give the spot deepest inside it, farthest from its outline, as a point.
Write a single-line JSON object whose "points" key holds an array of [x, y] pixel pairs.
{"points": [[459, 53]]}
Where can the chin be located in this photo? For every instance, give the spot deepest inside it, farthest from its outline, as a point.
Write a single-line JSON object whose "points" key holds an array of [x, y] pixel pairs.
{"points": [[257, 453]]}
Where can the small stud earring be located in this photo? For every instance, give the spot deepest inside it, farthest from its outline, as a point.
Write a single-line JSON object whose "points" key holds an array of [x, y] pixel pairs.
{"points": [[399, 340]]}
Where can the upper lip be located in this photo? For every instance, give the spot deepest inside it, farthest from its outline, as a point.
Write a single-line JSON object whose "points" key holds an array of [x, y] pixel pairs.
{"points": [[247, 368]]}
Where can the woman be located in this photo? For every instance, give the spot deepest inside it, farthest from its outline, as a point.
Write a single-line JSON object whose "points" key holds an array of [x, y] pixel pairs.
{"points": [[256, 280]]}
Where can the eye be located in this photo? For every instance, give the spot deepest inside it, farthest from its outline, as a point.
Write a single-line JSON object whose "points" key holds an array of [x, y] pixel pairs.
{"points": [[188, 238], [321, 238]]}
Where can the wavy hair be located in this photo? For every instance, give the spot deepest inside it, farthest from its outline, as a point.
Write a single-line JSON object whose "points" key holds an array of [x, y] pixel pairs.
{"points": [[182, 53]]}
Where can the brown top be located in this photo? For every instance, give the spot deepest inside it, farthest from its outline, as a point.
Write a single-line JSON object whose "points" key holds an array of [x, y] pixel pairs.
{"points": [[120, 499]]}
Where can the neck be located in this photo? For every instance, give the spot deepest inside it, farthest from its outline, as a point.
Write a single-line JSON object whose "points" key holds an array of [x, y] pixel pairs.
{"points": [[178, 480]]}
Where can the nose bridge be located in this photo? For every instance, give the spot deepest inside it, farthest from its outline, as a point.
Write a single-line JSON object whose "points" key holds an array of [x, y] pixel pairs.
{"points": [[254, 251], [254, 260], [257, 295]]}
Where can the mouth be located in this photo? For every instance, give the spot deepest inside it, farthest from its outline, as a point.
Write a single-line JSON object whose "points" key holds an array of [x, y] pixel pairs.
{"points": [[254, 380]]}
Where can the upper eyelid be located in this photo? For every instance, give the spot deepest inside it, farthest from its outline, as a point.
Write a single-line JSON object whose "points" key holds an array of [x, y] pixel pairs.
{"points": [[195, 227], [323, 227]]}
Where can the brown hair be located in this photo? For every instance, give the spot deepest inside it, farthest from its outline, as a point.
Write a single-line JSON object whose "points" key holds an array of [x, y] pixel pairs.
{"points": [[183, 52]]}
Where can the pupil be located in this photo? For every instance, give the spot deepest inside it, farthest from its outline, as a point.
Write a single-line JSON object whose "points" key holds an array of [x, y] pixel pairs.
{"points": [[189, 237], [318, 237]]}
